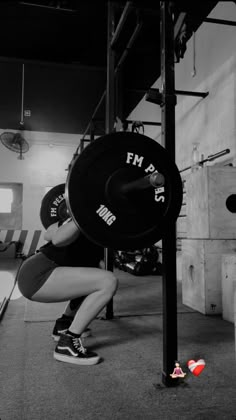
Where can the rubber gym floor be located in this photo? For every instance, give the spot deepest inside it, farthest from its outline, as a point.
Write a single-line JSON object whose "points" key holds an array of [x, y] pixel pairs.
{"points": [[127, 383]]}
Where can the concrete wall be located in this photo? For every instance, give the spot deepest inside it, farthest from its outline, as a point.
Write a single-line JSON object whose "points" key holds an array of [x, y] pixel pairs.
{"points": [[43, 166], [209, 121]]}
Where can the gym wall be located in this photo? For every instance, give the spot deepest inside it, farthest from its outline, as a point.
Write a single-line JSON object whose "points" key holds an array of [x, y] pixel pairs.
{"points": [[43, 166], [52, 111], [52, 129], [209, 121]]}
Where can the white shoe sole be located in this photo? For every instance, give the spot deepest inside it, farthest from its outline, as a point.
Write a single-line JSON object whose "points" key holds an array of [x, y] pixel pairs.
{"points": [[76, 360]]}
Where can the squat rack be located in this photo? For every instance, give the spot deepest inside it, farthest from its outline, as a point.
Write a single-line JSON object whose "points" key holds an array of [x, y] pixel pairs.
{"points": [[169, 32], [168, 102], [168, 141]]}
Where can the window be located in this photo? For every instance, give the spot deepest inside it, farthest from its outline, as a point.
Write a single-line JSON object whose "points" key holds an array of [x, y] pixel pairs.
{"points": [[6, 199], [11, 204]]}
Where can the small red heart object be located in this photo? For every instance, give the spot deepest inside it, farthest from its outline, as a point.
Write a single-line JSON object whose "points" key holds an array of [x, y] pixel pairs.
{"points": [[196, 367]]}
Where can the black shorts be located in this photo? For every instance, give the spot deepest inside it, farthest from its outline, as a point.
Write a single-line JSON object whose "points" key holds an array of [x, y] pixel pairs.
{"points": [[33, 273]]}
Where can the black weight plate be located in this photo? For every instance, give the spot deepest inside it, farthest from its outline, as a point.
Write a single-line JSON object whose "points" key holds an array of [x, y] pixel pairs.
{"points": [[53, 206], [114, 220], [231, 203]]}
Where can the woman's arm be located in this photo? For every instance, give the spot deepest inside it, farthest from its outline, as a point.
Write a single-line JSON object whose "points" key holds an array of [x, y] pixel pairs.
{"points": [[63, 235]]}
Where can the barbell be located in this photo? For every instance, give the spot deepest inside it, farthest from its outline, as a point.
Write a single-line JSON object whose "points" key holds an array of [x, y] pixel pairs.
{"points": [[122, 191]]}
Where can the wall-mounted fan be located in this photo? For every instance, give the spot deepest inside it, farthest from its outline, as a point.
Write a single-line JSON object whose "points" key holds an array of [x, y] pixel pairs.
{"points": [[15, 141]]}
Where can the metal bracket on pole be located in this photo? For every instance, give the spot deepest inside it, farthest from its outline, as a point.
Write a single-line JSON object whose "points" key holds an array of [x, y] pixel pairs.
{"points": [[220, 21], [155, 96], [191, 93]]}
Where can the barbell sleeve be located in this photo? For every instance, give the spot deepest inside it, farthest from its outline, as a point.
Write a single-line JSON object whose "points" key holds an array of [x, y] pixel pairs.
{"points": [[154, 180]]}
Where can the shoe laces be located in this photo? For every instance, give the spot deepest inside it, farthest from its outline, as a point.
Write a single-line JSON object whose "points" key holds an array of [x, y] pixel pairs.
{"points": [[77, 342]]}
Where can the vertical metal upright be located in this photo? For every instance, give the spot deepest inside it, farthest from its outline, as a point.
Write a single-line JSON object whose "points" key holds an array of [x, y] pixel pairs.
{"points": [[92, 131], [110, 85], [170, 346], [110, 117]]}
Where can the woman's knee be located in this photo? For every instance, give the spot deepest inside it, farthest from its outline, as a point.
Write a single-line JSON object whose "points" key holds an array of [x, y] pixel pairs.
{"points": [[110, 282]]}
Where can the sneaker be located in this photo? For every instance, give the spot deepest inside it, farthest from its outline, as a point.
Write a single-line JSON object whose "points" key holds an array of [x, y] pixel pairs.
{"points": [[61, 326], [71, 350]]}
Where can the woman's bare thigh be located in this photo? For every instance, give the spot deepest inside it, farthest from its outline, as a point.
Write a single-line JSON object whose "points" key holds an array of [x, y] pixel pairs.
{"points": [[67, 283]]}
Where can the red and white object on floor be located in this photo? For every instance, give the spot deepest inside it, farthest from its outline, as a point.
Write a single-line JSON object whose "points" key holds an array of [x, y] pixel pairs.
{"points": [[196, 367]]}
